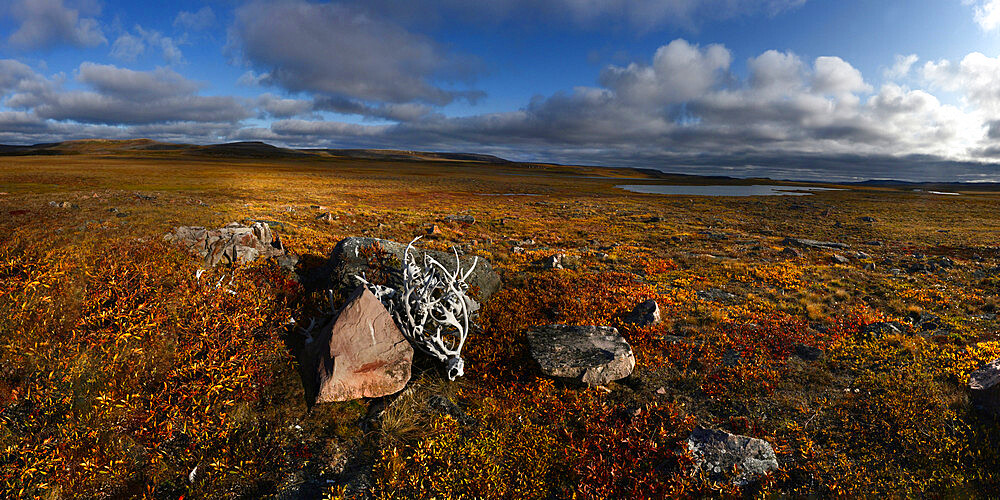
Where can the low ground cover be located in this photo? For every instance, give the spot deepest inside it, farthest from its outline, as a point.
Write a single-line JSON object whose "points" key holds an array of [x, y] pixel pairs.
{"points": [[125, 372]]}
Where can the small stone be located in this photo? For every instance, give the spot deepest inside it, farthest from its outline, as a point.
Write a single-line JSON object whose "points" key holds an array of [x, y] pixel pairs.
{"points": [[868, 218], [661, 391], [465, 219], [790, 252], [984, 384], [554, 261], [434, 229], [326, 217], [716, 295], [839, 259], [644, 314], [593, 355], [362, 353], [716, 452], [808, 353], [882, 329]]}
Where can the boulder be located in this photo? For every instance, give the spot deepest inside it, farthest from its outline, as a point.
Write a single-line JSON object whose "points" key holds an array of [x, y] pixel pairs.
{"points": [[984, 385], [716, 452], [644, 314], [351, 258], [804, 243], [361, 353], [234, 243], [593, 355]]}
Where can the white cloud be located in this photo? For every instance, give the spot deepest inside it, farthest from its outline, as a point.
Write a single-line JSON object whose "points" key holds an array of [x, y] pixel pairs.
{"points": [[987, 14], [129, 46], [46, 23], [203, 19], [900, 68]]}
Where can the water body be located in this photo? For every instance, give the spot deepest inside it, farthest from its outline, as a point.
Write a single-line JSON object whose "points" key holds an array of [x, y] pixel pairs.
{"points": [[724, 190]]}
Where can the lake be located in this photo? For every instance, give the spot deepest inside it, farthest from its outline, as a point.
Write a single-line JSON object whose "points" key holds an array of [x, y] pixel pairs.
{"points": [[724, 190]]}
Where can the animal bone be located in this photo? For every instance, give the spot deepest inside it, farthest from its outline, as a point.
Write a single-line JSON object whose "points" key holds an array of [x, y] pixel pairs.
{"points": [[432, 307]]}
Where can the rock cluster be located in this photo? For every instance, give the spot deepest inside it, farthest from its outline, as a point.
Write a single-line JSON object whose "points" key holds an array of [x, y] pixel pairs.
{"points": [[234, 243], [361, 353], [717, 452], [593, 355]]}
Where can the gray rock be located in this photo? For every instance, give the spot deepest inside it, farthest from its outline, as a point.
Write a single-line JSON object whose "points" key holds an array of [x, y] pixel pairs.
{"points": [[808, 353], [790, 252], [867, 218], [349, 260], [716, 295], [839, 259], [465, 219], [644, 314], [234, 243], [554, 261], [984, 385], [883, 328], [805, 243], [716, 452], [592, 355]]}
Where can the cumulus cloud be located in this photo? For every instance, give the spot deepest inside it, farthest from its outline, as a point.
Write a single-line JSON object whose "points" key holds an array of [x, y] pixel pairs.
{"points": [[340, 50], [46, 23], [119, 96], [200, 20], [686, 106]]}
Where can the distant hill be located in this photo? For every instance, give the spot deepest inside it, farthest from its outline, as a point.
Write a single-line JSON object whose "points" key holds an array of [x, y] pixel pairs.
{"points": [[248, 149]]}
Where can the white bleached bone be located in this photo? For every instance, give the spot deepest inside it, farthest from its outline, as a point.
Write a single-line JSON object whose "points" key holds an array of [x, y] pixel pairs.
{"points": [[432, 307]]}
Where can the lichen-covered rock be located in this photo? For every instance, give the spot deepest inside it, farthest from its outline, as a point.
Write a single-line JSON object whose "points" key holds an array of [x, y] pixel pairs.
{"points": [[353, 257], [984, 384], [234, 243], [592, 355], [361, 353], [716, 452], [644, 314]]}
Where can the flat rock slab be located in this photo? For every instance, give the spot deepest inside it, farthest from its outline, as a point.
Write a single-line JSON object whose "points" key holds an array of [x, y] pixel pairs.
{"points": [[361, 353], [593, 355], [716, 452], [352, 257], [984, 384], [232, 244], [804, 243]]}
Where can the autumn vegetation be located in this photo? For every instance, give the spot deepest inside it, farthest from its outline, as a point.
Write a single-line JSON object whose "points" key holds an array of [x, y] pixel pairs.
{"points": [[125, 373]]}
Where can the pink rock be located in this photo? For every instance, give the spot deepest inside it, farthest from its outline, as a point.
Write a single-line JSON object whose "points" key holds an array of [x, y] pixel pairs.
{"points": [[361, 353]]}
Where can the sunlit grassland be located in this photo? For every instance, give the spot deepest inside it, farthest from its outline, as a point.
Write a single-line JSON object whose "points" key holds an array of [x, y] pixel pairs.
{"points": [[121, 372]]}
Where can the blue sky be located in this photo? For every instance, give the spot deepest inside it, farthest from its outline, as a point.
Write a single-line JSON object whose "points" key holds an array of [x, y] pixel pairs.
{"points": [[848, 89]]}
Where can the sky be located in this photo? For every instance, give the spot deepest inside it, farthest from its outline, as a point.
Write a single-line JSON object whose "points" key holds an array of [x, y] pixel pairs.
{"points": [[788, 89]]}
